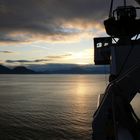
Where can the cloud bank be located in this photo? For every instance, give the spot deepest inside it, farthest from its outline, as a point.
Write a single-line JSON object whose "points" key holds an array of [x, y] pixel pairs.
{"points": [[50, 58], [50, 20], [8, 52]]}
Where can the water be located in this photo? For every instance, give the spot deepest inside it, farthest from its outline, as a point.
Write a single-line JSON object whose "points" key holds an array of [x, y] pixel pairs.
{"points": [[49, 107]]}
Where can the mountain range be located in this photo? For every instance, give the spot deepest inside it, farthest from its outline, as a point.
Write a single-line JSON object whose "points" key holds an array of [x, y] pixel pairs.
{"points": [[16, 70], [55, 69]]}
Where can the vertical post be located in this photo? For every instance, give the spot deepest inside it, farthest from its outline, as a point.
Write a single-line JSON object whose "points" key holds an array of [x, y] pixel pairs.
{"points": [[111, 7], [124, 2]]}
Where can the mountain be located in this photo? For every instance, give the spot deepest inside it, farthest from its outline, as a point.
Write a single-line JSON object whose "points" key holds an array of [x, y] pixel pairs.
{"points": [[70, 69], [56, 69], [16, 70], [22, 70], [51, 67], [5, 70]]}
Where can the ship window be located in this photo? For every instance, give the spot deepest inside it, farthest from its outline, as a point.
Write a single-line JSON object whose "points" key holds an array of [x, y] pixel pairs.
{"points": [[136, 37], [106, 44], [99, 45]]}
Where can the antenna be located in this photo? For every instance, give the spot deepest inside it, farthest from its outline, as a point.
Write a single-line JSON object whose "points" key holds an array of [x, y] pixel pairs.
{"points": [[125, 3], [111, 7]]}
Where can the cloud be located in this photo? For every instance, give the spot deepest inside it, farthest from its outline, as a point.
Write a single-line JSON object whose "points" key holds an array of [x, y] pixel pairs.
{"points": [[1, 62], [41, 60], [28, 20], [6, 52], [55, 57], [48, 58], [26, 61]]}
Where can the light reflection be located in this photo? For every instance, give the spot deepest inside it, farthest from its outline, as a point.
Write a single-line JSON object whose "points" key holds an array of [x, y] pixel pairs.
{"points": [[81, 89], [82, 104], [85, 94], [80, 98]]}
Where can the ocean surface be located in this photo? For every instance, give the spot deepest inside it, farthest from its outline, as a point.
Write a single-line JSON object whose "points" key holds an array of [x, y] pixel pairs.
{"points": [[50, 107]]}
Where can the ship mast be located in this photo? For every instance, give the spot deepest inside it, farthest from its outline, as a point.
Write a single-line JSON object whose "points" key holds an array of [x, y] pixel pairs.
{"points": [[124, 2], [111, 8]]}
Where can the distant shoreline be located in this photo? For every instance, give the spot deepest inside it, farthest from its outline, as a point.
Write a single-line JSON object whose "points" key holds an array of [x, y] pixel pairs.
{"points": [[56, 69]]}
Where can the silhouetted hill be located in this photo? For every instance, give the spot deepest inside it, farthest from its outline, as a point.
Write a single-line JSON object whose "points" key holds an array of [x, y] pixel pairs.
{"points": [[16, 70], [56, 69], [22, 70], [75, 69], [5, 70]]}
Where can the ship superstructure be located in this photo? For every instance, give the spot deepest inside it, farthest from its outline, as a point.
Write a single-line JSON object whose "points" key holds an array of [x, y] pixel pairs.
{"points": [[114, 118]]}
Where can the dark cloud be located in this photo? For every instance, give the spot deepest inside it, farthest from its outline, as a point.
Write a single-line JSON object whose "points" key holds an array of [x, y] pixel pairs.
{"points": [[26, 61], [15, 61], [6, 52], [49, 58], [46, 17], [41, 60], [59, 56], [9, 36]]}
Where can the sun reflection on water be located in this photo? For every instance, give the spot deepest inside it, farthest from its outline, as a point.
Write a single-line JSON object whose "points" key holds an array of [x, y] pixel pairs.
{"points": [[81, 89]]}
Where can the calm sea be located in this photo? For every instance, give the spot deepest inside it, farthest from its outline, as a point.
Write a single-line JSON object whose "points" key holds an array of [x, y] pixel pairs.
{"points": [[49, 107]]}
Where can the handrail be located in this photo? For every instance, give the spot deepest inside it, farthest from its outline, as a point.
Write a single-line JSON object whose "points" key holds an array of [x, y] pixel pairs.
{"points": [[120, 86]]}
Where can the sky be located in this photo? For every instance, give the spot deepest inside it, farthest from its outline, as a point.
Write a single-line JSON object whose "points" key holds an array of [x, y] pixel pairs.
{"points": [[40, 32]]}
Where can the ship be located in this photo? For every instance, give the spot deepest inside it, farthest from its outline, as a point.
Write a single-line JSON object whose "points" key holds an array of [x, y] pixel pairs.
{"points": [[115, 118]]}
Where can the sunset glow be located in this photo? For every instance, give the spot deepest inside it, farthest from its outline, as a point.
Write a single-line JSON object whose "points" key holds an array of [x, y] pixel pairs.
{"points": [[43, 32]]}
